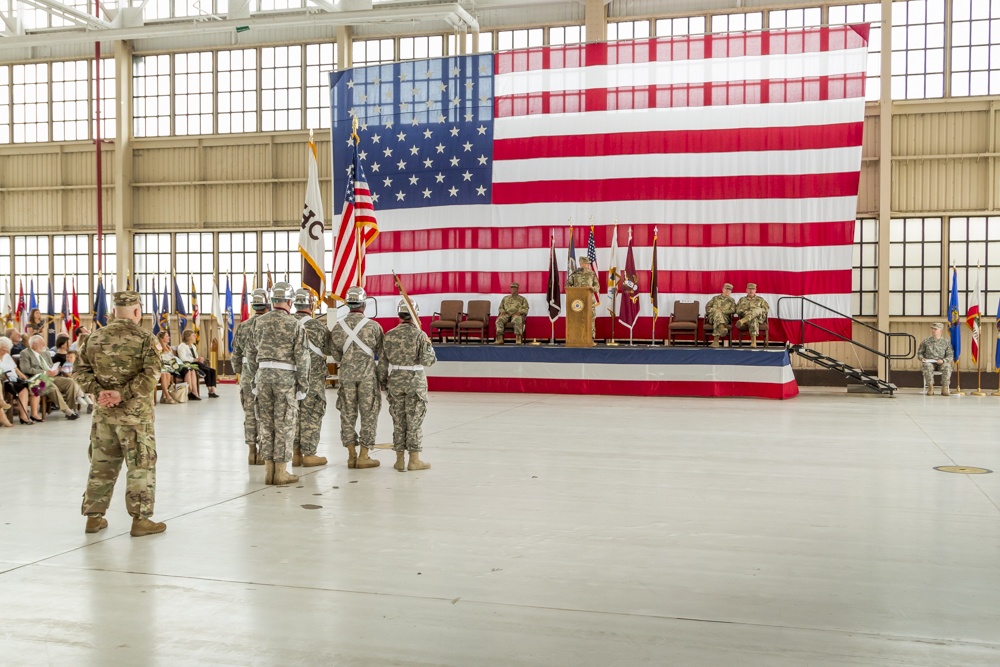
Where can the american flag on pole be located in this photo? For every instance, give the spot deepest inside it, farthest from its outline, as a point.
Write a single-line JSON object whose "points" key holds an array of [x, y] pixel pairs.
{"points": [[358, 227], [744, 148]]}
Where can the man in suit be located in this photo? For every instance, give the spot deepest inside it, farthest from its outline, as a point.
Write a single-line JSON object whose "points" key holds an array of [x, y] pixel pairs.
{"points": [[36, 360]]}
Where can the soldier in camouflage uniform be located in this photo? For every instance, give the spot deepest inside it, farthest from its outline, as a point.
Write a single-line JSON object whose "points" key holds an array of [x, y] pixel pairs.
{"points": [[279, 352], [119, 365], [407, 350], [356, 344], [585, 277], [246, 371], [936, 354], [513, 308], [719, 313], [313, 406], [753, 311]]}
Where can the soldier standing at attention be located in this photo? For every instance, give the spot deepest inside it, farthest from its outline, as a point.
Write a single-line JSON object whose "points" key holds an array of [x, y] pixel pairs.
{"points": [[752, 310], [401, 369], [279, 352], [935, 354], [513, 308], [241, 341], [584, 277], [356, 344], [719, 313], [313, 406], [119, 364]]}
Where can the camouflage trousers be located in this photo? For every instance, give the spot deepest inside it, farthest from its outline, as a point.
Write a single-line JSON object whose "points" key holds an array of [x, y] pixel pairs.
{"points": [[310, 422], [356, 398], [929, 367], [408, 408], [720, 322], [249, 413], [751, 321], [110, 444], [517, 319], [277, 414]]}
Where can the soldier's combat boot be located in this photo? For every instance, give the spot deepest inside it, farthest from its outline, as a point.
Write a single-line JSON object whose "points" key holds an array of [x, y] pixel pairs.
{"points": [[400, 461], [254, 459], [269, 472], [364, 461], [715, 341], [281, 475], [753, 341], [141, 527], [930, 390], [416, 463], [96, 523], [498, 341], [311, 461], [296, 457], [945, 392], [520, 340], [259, 458], [352, 456]]}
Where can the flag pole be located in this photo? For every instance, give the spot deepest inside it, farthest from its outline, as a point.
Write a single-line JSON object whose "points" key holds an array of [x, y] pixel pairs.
{"points": [[357, 232], [979, 366]]}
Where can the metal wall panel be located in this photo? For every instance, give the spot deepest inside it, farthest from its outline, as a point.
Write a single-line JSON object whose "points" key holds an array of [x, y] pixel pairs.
{"points": [[248, 205], [164, 207], [940, 185], [235, 162], [944, 133], [160, 162]]}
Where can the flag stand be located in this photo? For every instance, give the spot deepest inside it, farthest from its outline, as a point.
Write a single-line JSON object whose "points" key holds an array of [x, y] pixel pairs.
{"points": [[631, 331], [997, 392], [979, 382], [552, 334], [958, 382], [652, 333], [613, 342]]}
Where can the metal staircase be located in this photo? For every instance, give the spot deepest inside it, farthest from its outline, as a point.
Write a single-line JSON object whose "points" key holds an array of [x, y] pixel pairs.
{"points": [[857, 377]]}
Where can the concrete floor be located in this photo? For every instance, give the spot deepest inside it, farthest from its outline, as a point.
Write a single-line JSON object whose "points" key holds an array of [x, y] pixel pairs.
{"points": [[552, 530]]}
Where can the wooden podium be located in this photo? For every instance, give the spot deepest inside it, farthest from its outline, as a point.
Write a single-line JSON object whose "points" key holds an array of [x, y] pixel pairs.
{"points": [[579, 316]]}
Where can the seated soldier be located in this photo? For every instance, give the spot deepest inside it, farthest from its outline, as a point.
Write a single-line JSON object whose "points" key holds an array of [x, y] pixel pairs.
{"points": [[753, 311], [719, 314], [935, 354], [513, 308]]}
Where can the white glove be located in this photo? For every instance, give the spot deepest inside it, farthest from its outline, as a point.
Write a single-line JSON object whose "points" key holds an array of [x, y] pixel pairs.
{"points": [[300, 395]]}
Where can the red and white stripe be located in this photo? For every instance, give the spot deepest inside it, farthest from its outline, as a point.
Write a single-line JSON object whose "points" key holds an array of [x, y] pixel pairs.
{"points": [[358, 228], [744, 149]]}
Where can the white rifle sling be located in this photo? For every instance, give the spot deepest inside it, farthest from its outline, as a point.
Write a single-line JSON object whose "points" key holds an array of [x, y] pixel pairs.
{"points": [[352, 336]]}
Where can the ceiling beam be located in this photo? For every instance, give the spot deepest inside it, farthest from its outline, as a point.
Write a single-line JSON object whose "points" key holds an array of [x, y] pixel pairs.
{"points": [[56, 8]]}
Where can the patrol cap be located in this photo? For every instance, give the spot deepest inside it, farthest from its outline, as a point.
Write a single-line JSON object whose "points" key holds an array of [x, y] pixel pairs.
{"points": [[937, 325], [517, 285], [751, 285], [259, 298], [282, 291], [403, 310], [303, 298], [728, 286], [355, 296], [584, 260], [126, 298]]}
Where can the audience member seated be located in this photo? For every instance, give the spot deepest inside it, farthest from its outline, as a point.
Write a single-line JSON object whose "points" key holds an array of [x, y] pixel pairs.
{"points": [[15, 338], [35, 325], [61, 348], [177, 368], [81, 335], [36, 361], [66, 370], [186, 352], [16, 385]]}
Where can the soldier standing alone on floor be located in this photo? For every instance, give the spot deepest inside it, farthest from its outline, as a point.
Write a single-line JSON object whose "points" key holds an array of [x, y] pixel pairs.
{"points": [[935, 354], [356, 344], [719, 313], [313, 406], [513, 308], [246, 371], [279, 352], [120, 366], [407, 350]]}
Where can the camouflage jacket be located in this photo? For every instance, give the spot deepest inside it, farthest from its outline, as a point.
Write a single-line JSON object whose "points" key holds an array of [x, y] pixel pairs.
{"points": [[279, 337], [241, 343], [355, 364], [121, 357], [406, 345], [513, 305], [584, 278], [936, 348], [753, 306], [721, 305], [316, 341]]}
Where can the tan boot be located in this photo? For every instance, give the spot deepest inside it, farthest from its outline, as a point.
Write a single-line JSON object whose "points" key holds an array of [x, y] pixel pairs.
{"points": [[400, 461], [930, 390], [365, 462], [945, 392], [416, 463], [311, 461], [260, 459], [281, 475], [253, 458], [753, 341], [715, 341], [498, 341], [269, 472], [352, 456], [141, 527], [96, 523], [296, 457], [519, 341]]}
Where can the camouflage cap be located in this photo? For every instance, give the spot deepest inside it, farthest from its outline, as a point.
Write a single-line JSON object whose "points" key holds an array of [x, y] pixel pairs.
{"points": [[727, 286], [937, 325], [517, 285], [126, 298], [751, 285], [584, 260]]}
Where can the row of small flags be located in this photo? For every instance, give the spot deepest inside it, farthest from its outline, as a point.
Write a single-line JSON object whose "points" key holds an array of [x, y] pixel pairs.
{"points": [[972, 318]]}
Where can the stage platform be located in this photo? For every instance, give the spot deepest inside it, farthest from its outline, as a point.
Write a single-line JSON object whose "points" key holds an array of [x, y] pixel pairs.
{"points": [[623, 370]]}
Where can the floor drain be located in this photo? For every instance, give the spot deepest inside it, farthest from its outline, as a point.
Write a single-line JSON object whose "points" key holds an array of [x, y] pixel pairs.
{"points": [[964, 470]]}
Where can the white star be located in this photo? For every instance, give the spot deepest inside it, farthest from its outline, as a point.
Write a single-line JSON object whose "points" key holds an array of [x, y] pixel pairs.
{"points": [[388, 124], [363, 98], [349, 170], [442, 87], [376, 138], [455, 71], [483, 69], [403, 106], [401, 165], [429, 103], [364, 126], [454, 131], [387, 182], [415, 91], [467, 146], [467, 176], [439, 177], [376, 166], [481, 129], [350, 84], [483, 98], [454, 161], [413, 180], [401, 136], [414, 122], [469, 85], [468, 117], [427, 193], [402, 76], [455, 101], [428, 163], [427, 134], [387, 152], [377, 81], [400, 195], [440, 148], [453, 191], [388, 95], [352, 113], [375, 197], [377, 109], [362, 155], [428, 74], [441, 118], [482, 160], [414, 150], [481, 191]]}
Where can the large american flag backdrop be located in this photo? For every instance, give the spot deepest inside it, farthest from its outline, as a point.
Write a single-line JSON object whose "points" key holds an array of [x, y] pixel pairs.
{"points": [[743, 149]]}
